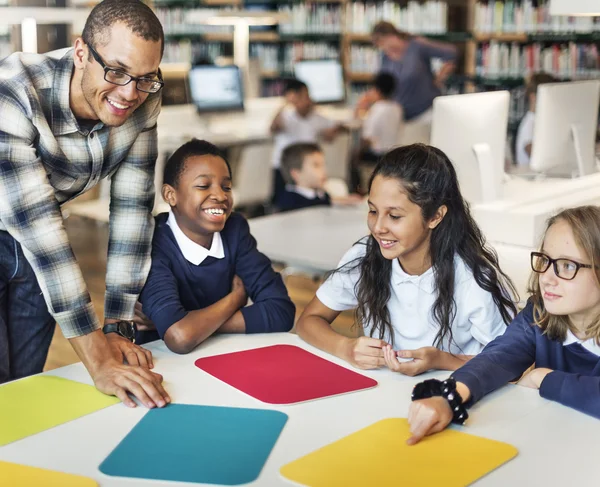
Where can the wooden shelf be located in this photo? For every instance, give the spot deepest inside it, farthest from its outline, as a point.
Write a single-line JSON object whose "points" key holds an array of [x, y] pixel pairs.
{"points": [[537, 37], [448, 37], [360, 77], [500, 37], [224, 36], [270, 74]]}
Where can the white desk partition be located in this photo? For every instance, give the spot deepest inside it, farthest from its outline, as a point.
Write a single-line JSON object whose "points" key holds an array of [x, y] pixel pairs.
{"points": [[556, 444]]}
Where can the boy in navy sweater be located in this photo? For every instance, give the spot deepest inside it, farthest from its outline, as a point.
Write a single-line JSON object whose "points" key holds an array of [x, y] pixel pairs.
{"points": [[205, 264], [558, 331]]}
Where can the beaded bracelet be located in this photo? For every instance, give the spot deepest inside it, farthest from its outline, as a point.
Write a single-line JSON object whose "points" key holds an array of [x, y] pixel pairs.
{"points": [[445, 389]]}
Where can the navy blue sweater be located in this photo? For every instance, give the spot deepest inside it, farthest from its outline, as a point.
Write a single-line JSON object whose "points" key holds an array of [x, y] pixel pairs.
{"points": [[176, 286], [575, 381], [288, 200]]}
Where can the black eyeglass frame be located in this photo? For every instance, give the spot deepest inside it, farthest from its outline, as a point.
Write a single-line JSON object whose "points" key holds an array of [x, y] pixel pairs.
{"points": [[554, 264], [106, 68]]}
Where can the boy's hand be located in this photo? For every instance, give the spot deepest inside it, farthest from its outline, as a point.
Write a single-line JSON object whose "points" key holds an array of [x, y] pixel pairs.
{"points": [[365, 353], [239, 290], [428, 416], [142, 322], [423, 359]]}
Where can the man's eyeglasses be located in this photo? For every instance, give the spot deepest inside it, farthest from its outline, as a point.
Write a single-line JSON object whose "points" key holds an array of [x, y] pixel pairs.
{"points": [[121, 78], [566, 269]]}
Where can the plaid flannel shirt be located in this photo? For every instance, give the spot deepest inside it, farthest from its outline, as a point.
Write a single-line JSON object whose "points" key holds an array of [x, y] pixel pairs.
{"points": [[46, 159]]}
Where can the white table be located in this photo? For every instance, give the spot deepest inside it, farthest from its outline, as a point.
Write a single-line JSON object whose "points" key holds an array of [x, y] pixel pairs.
{"points": [[313, 239], [556, 444]]}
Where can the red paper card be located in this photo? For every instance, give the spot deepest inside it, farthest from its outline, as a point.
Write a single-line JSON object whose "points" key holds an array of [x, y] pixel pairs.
{"points": [[283, 374]]}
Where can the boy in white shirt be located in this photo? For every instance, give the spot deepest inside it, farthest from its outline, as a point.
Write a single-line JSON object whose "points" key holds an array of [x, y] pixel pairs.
{"points": [[525, 132], [297, 121], [383, 121]]}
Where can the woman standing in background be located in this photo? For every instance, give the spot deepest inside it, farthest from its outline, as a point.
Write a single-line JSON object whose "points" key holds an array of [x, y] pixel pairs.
{"points": [[408, 59]]}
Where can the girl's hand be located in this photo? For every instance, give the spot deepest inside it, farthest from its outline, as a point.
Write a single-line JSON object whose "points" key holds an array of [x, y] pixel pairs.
{"points": [[534, 378], [423, 359], [428, 416], [365, 352]]}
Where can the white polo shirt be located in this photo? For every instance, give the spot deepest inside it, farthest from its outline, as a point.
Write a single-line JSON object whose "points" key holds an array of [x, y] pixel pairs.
{"points": [[382, 125], [477, 321], [298, 129]]}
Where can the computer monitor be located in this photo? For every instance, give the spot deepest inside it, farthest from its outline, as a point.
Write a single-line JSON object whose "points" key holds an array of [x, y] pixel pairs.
{"points": [[472, 130], [324, 78], [564, 134], [216, 88]]}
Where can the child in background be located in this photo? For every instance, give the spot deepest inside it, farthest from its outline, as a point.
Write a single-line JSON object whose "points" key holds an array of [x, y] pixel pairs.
{"points": [[297, 121], [382, 120], [424, 285], [525, 132], [558, 331], [205, 264], [303, 169]]}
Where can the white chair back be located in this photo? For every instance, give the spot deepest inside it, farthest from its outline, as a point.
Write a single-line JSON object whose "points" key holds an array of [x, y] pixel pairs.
{"points": [[337, 156], [253, 175]]}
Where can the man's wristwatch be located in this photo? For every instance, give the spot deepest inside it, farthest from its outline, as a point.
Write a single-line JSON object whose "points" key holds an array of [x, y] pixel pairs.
{"points": [[124, 328]]}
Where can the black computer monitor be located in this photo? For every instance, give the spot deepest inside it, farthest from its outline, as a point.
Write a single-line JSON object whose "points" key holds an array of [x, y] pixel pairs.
{"points": [[216, 88], [324, 78]]}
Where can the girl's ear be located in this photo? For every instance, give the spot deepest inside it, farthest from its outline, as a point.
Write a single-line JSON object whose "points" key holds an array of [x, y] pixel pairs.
{"points": [[437, 217], [169, 194]]}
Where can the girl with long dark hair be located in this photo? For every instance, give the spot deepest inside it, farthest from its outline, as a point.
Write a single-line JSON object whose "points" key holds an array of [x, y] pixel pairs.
{"points": [[424, 285]]}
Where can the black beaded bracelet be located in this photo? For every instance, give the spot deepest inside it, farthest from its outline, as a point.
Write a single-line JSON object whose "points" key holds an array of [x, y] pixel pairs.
{"points": [[445, 389]]}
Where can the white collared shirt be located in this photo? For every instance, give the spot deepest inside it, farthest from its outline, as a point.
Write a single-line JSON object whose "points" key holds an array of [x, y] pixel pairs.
{"points": [[193, 252], [308, 193], [589, 344], [477, 322], [298, 129]]}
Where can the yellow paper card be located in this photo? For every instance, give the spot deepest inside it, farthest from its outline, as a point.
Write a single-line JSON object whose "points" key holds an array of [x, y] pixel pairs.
{"points": [[23, 476], [378, 455], [38, 403]]}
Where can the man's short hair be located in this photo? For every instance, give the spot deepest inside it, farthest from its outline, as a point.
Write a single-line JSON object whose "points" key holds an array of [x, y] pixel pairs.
{"points": [[538, 79], [293, 157], [176, 163], [385, 83], [133, 13], [294, 85]]}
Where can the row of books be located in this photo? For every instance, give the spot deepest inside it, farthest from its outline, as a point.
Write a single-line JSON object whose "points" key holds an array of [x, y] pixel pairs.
{"points": [[186, 51], [567, 61], [176, 21], [528, 16], [271, 61], [364, 59], [429, 17], [309, 18]]}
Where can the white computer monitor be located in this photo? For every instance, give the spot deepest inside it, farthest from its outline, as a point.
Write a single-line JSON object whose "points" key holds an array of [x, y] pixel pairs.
{"points": [[324, 78], [564, 134], [216, 88], [472, 129]]}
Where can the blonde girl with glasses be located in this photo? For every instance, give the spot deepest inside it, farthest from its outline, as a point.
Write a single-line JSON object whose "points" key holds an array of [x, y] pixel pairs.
{"points": [[558, 332]]}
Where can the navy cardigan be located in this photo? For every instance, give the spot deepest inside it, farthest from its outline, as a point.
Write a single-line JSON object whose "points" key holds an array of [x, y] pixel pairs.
{"points": [[175, 286], [575, 381]]}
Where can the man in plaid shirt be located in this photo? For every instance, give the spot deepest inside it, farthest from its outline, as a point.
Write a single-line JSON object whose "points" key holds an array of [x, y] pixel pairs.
{"points": [[67, 121]]}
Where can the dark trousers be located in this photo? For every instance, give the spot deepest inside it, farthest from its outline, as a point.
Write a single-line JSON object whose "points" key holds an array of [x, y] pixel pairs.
{"points": [[26, 326]]}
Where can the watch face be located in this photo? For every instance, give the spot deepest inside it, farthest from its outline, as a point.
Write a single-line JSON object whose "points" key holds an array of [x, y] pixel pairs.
{"points": [[126, 329]]}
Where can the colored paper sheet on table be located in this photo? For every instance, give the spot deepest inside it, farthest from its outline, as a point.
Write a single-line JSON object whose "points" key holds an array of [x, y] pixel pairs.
{"points": [[35, 404], [378, 455], [283, 374], [203, 444], [14, 475]]}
